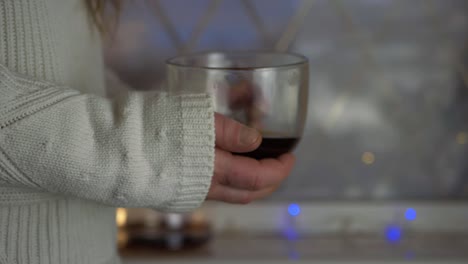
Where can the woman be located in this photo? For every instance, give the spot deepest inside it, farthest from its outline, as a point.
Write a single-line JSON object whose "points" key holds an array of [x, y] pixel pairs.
{"points": [[69, 156]]}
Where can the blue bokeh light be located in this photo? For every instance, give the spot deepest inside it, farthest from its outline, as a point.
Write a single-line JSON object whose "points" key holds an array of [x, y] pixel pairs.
{"points": [[409, 255], [410, 214], [294, 209], [294, 255], [393, 234], [290, 234]]}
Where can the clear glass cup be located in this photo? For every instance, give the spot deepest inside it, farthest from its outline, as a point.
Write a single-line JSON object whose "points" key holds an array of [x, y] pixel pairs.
{"points": [[264, 90]]}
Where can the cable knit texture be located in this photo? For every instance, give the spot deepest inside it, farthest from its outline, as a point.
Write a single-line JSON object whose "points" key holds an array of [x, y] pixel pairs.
{"points": [[69, 156]]}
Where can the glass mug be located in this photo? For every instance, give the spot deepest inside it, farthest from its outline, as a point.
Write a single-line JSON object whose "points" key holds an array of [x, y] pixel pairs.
{"points": [[264, 90]]}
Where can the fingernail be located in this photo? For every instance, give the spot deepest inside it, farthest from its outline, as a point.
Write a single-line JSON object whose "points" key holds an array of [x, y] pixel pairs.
{"points": [[248, 136]]}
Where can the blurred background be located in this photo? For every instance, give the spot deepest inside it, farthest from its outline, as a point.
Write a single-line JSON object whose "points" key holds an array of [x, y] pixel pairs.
{"points": [[386, 144]]}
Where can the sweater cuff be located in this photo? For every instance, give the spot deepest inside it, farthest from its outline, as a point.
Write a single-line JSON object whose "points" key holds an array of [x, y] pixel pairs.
{"points": [[197, 152]]}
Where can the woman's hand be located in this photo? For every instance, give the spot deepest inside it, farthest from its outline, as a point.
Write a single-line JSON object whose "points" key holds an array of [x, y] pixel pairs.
{"points": [[239, 179]]}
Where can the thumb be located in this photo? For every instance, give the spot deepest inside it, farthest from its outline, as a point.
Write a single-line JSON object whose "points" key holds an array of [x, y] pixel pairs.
{"points": [[233, 136]]}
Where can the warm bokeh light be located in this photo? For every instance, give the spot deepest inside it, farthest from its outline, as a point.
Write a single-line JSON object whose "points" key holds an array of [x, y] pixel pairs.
{"points": [[462, 138], [121, 217], [122, 239], [198, 218], [368, 158]]}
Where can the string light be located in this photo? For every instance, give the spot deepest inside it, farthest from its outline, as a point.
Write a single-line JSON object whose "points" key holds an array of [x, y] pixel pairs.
{"points": [[368, 158], [410, 214], [393, 234], [291, 234], [294, 210], [462, 138], [121, 217], [294, 255], [198, 218], [122, 238], [409, 255]]}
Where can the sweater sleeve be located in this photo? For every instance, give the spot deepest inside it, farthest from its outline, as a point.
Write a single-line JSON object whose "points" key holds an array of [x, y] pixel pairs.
{"points": [[145, 149]]}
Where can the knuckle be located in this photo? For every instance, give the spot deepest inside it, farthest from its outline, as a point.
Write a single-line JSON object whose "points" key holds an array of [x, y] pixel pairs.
{"points": [[225, 197], [219, 120], [227, 135], [234, 131], [247, 198], [224, 129], [223, 167], [256, 182]]}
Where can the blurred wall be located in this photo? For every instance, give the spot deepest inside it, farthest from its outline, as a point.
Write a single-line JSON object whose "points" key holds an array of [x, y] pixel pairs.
{"points": [[388, 114]]}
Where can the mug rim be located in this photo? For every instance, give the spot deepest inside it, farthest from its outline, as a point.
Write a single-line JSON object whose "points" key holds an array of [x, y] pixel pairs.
{"points": [[301, 60]]}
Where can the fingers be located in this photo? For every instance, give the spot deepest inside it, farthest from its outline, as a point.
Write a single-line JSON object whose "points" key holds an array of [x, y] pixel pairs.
{"points": [[232, 136], [241, 180], [236, 196], [250, 174]]}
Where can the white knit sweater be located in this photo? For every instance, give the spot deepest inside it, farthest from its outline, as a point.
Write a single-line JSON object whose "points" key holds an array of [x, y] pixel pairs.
{"points": [[68, 155]]}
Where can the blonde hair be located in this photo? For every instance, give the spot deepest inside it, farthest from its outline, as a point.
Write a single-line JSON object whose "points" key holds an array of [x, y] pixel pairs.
{"points": [[97, 9]]}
